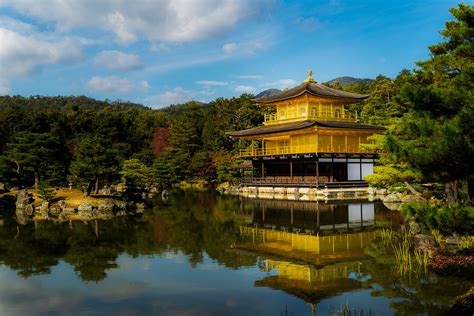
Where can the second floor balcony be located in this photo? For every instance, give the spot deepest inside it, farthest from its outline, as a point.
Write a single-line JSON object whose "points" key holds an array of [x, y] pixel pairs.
{"points": [[335, 115], [305, 149]]}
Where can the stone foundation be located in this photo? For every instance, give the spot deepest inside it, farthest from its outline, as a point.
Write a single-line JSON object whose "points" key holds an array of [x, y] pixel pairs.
{"points": [[297, 193]]}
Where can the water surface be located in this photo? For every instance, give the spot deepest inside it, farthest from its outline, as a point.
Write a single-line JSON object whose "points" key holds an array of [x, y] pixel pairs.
{"points": [[203, 254]]}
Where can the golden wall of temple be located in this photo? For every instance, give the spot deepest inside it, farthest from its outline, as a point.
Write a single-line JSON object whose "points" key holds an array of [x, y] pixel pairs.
{"points": [[307, 107], [311, 140]]}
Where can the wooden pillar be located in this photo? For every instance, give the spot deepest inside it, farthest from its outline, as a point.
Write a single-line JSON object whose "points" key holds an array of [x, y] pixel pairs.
{"points": [[263, 170], [291, 168], [345, 143], [332, 169]]}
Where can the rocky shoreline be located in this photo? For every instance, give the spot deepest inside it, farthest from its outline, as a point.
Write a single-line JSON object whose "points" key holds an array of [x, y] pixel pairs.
{"points": [[30, 207]]}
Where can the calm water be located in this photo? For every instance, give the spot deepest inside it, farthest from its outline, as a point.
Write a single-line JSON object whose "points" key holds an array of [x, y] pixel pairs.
{"points": [[202, 254]]}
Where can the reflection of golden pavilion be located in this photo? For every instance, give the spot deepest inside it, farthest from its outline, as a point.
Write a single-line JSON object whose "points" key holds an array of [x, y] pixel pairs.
{"points": [[308, 248], [310, 283]]}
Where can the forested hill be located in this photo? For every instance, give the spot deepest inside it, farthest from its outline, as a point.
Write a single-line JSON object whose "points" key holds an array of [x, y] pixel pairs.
{"points": [[66, 102], [345, 81]]}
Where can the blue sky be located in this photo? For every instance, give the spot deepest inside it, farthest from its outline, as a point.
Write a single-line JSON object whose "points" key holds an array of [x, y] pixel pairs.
{"points": [[172, 51]]}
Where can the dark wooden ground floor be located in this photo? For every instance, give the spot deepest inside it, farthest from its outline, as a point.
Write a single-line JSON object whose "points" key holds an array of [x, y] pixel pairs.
{"points": [[311, 169]]}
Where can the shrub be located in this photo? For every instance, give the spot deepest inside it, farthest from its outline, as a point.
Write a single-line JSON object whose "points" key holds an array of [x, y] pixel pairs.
{"points": [[447, 220]]}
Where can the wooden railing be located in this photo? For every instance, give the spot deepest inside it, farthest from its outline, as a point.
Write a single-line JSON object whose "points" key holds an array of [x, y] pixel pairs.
{"points": [[342, 116], [303, 149]]}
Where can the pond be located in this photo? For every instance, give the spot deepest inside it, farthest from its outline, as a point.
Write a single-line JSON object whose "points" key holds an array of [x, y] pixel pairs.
{"points": [[205, 254]]}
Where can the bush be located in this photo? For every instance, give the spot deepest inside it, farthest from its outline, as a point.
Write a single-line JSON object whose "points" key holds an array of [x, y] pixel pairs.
{"points": [[448, 220]]}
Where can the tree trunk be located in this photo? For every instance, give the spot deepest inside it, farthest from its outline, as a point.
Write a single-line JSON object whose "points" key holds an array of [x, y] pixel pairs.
{"points": [[37, 180], [97, 186], [451, 190], [470, 188], [89, 188]]}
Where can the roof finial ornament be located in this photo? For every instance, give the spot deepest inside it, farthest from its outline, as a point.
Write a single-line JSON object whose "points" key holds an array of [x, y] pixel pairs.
{"points": [[310, 77]]}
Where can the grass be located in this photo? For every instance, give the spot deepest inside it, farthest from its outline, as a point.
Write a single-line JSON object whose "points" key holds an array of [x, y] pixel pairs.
{"points": [[73, 198], [408, 259]]}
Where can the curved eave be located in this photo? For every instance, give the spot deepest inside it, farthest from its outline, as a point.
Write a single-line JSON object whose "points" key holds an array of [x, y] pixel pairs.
{"points": [[289, 127], [310, 88]]}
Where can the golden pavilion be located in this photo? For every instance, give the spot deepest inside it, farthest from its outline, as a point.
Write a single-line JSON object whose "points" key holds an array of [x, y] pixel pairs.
{"points": [[310, 138]]}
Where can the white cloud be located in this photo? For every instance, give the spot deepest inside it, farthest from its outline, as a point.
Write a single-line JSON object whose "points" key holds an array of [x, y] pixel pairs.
{"points": [[4, 87], [229, 48], [256, 77], [174, 96], [15, 25], [115, 60], [245, 89], [212, 83], [159, 47], [163, 20], [282, 83], [110, 84], [144, 85], [25, 54]]}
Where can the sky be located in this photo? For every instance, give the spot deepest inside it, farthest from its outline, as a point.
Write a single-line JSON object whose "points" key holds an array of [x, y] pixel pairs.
{"points": [[172, 51]]}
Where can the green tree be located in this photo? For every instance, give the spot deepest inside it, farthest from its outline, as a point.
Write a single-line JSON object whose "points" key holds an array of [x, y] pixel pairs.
{"points": [[135, 174], [39, 156], [93, 161], [435, 136]]}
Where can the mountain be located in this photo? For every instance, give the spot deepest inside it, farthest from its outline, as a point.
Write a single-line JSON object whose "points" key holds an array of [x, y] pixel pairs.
{"points": [[267, 93], [345, 81]]}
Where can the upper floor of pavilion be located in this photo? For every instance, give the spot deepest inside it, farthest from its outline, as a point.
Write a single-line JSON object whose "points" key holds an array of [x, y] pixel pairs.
{"points": [[310, 101]]}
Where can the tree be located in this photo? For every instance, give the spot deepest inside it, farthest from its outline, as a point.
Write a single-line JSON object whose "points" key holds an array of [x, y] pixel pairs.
{"points": [[39, 156], [93, 160], [135, 174], [436, 136]]}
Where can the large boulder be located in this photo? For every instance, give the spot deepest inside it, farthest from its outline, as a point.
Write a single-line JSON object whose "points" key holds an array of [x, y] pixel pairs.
{"points": [[62, 204], [392, 197], [412, 198], [140, 208], [85, 211], [85, 207], [106, 206], [425, 243]]}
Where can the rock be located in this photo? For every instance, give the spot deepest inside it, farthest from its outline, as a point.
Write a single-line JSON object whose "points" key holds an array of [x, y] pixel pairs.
{"points": [[140, 208], [30, 209], [44, 213], [85, 210], [69, 211], [55, 210], [121, 187], [393, 206], [2, 187], [121, 205], [412, 198], [112, 190], [392, 197], [62, 217], [381, 192], [425, 243], [22, 198], [62, 204], [452, 240], [121, 213], [106, 206], [44, 207], [414, 228], [85, 207]]}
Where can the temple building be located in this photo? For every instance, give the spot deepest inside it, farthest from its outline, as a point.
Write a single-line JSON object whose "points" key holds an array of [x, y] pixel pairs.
{"points": [[309, 138]]}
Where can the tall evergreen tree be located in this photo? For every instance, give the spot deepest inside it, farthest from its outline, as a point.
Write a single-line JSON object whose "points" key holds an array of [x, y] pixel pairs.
{"points": [[436, 136], [93, 161]]}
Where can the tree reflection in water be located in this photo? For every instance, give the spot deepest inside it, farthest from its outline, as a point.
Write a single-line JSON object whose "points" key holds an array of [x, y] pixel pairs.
{"points": [[280, 238]]}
